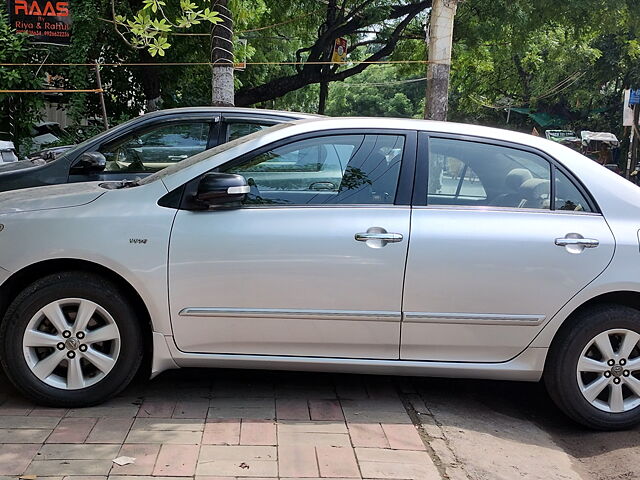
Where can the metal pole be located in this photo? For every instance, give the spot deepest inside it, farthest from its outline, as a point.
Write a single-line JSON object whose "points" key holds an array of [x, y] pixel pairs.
{"points": [[101, 93], [635, 140], [627, 169]]}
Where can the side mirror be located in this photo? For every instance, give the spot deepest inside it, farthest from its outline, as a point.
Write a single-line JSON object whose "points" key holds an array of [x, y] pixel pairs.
{"points": [[221, 190], [90, 162]]}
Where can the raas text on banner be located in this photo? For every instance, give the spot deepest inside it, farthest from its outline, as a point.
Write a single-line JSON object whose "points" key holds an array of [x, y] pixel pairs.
{"points": [[46, 21]]}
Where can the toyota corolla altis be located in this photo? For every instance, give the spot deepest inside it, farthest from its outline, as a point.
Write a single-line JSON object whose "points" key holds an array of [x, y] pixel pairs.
{"points": [[352, 245]]}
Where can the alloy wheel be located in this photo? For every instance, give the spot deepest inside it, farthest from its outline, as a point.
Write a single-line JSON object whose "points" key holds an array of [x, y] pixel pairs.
{"points": [[608, 371], [71, 343]]}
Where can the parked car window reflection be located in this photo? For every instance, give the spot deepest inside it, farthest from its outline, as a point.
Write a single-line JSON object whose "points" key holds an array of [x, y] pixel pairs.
{"points": [[156, 149], [337, 169], [240, 129]]}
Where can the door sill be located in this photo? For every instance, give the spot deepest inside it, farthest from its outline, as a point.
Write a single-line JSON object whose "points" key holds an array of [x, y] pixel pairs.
{"points": [[527, 366]]}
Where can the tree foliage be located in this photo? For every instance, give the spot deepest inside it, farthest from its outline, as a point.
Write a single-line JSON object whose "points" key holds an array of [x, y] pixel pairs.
{"points": [[17, 111], [380, 91], [372, 27], [567, 60], [150, 26]]}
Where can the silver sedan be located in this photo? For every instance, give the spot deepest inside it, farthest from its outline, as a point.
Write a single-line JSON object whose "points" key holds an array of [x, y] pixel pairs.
{"points": [[352, 245]]}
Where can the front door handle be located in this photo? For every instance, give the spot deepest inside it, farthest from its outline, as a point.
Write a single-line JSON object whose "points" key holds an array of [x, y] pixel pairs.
{"points": [[378, 237], [177, 157], [576, 243]]}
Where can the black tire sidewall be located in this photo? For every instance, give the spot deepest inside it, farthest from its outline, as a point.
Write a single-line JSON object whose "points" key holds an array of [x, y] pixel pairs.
{"points": [[561, 369], [57, 287]]}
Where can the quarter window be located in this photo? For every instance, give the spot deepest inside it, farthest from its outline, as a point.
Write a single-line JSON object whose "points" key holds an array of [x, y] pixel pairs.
{"points": [[568, 197], [472, 173], [337, 169]]}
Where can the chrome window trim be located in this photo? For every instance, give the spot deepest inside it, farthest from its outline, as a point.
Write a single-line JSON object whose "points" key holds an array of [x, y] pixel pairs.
{"points": [[335, 205], [293, 314], [489, 208], [473, 318]]}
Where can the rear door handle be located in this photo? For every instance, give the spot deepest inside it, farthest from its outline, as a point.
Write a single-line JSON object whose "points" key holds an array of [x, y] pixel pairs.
{"points": [[582, 242], [387, 237], [575, 243], [177, 157]]}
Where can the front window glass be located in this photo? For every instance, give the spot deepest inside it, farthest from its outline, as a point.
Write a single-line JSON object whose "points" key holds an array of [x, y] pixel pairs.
{"points": [[156, 149], [337, 169]]}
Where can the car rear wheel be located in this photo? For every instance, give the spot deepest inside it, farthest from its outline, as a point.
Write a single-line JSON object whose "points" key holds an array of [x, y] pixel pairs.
{"points": [[593, 369], [70, 340]]}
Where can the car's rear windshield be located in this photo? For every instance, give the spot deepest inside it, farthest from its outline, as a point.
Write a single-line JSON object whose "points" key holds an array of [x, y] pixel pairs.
{"points": [[209, 153]]}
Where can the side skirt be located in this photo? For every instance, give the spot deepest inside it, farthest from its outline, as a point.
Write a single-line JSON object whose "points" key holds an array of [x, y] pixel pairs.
{"points": [[528, 366]]}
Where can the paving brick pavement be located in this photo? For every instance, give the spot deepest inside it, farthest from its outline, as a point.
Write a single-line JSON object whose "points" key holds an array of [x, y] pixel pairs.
{"points": [[220, 425]]}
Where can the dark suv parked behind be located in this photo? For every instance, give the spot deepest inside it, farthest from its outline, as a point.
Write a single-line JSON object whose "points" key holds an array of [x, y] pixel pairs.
{"points": [[141, 146]]}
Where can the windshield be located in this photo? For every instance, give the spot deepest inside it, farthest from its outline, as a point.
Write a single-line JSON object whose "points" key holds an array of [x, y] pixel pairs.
{"points": [[209, 153]]}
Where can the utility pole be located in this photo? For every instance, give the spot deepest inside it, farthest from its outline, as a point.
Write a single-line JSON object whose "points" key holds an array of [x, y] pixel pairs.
{"points": [[103, 107], [440, 42], [222, 89]]}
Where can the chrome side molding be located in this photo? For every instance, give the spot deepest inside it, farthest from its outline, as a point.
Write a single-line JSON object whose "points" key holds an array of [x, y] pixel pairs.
{"points": [[473, 318], [361, 315], [366, 315]]}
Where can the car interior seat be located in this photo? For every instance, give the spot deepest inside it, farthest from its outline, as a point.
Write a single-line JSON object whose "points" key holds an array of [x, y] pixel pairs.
{"points": [[535, 193], [513, 181]]}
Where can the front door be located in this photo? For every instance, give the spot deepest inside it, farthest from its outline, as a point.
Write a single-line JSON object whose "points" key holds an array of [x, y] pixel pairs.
{"points": [[495, 251], [311, 265]]}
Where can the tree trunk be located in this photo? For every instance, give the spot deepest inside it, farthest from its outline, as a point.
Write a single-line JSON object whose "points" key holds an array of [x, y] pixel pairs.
{"points": [[440, 41], [222, 94], [150, 80], [322, 100], [327, 54]]}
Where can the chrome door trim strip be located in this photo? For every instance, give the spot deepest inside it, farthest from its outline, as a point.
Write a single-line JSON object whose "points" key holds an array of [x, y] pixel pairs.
{"points": [[496, 209], [287, 313], [473, 318]]}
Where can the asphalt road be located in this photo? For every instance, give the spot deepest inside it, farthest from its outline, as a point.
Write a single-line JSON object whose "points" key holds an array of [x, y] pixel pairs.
{"points": [[513, 430]]}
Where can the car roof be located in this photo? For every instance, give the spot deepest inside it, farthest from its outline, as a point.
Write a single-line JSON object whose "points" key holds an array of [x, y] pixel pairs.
{"points": [[321, 123], [235, 110]]}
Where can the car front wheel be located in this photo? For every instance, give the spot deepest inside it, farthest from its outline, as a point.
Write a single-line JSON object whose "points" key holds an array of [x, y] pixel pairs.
{"points": [[593, 369], [70, 340]]}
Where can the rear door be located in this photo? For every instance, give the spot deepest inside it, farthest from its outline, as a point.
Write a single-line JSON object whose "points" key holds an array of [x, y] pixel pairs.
{"points": [[501, 239]]}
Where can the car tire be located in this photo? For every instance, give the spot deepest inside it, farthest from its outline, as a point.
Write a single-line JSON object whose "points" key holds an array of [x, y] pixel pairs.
{"points": [[93, 358], [592, 372]]}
